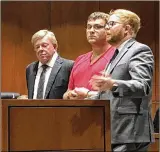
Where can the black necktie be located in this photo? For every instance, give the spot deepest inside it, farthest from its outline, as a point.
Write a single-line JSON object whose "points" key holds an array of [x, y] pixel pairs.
{"points": [[114, 56], [41, 82], [111, 60], [107, 68]]}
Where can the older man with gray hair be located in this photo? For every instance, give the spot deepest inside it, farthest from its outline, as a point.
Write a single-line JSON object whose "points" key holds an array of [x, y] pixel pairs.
{"points": [[48, 77]]}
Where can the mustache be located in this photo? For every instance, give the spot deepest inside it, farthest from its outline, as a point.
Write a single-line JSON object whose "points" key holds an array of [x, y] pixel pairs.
{"points": [[91, 36]]}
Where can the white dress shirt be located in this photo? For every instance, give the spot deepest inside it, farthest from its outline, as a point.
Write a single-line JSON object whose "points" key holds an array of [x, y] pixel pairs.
{"points": [[48, 72]]}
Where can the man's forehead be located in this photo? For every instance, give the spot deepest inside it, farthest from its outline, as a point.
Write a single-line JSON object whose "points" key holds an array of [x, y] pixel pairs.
{"points": [[96, 21], [42, 40]]}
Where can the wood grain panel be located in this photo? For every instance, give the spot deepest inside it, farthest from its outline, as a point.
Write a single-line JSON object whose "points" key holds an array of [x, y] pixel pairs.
{"points": [[68, 22], [157, 53], [62, 127], [55, 125], [20, 20]]}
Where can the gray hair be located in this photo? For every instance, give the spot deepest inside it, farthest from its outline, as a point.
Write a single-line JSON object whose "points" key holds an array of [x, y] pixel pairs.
{"points": [[41, 34]]}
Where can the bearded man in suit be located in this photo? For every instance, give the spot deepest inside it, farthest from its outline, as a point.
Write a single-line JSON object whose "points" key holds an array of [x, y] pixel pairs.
{"points": [[127, 83], [48, 77]]}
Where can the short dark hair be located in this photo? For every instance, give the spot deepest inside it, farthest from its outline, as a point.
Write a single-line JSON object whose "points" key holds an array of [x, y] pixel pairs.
{"points": [[98, 15]]}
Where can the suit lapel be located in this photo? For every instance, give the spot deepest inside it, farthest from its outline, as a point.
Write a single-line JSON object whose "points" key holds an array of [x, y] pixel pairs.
{"points": [[32, 78], [53, 75], [121, 54]]}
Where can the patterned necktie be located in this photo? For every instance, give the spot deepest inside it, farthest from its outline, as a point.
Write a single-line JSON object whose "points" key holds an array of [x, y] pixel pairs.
{"points": [[41, 82]]}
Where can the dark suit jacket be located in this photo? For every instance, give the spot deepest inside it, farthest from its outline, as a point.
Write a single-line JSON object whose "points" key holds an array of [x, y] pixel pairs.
{"points": [[58, 80], [130, 101]]}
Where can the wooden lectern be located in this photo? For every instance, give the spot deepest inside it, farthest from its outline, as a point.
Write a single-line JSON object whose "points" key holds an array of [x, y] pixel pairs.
{"points": [[55, 125]]}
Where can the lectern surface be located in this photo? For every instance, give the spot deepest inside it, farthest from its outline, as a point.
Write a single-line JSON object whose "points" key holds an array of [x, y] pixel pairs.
{"points": [[55, 125]]}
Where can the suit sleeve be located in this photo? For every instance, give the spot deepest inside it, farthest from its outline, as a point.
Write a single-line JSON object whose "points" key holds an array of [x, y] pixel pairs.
{"points": [[141, 71]]}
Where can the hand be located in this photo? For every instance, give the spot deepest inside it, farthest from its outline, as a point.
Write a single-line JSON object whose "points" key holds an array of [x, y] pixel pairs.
{"points": [[102, 83], [81, 92], [72, 95]]}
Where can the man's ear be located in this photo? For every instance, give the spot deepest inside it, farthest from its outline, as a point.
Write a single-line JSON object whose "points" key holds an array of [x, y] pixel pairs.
{"points": [[55, 46], [128, 29]]}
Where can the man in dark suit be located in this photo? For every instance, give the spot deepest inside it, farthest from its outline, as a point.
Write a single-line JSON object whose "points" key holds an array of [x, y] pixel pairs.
{"points": [[127, 83], [48, 77]]}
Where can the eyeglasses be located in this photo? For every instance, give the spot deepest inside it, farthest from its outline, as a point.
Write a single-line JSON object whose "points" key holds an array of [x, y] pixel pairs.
{"points": [[95, 26], [112, 23]]}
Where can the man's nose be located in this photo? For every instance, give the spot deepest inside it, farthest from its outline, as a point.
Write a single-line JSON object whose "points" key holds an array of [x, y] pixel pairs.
{"points": [[107, 27], [92, 30], [40, 48]]}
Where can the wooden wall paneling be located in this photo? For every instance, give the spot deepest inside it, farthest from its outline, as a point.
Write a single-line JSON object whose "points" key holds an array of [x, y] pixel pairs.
{"points": [[10, 40], [157, 54], [20, 20], [68, 21]]}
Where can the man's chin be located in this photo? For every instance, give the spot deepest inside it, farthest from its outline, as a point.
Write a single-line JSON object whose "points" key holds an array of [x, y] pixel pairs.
{"points": [[44, 61], [92, 41]]}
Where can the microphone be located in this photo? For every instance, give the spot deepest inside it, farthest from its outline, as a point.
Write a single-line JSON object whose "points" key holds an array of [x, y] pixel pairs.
{"points": [[9, 95]]}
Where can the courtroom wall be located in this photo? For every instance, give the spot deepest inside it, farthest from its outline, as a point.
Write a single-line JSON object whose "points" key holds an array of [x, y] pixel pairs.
{"points": [[20, 20]]}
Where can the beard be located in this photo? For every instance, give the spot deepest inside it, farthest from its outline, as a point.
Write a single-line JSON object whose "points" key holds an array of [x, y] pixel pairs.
{"points": [[114, 39]]}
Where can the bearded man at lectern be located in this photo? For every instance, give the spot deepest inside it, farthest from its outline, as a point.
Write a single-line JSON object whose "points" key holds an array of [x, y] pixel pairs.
{"points": [[127, 83]]}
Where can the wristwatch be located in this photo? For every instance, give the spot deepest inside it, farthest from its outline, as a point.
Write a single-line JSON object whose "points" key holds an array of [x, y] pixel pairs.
{"points": [[115, 86]]}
